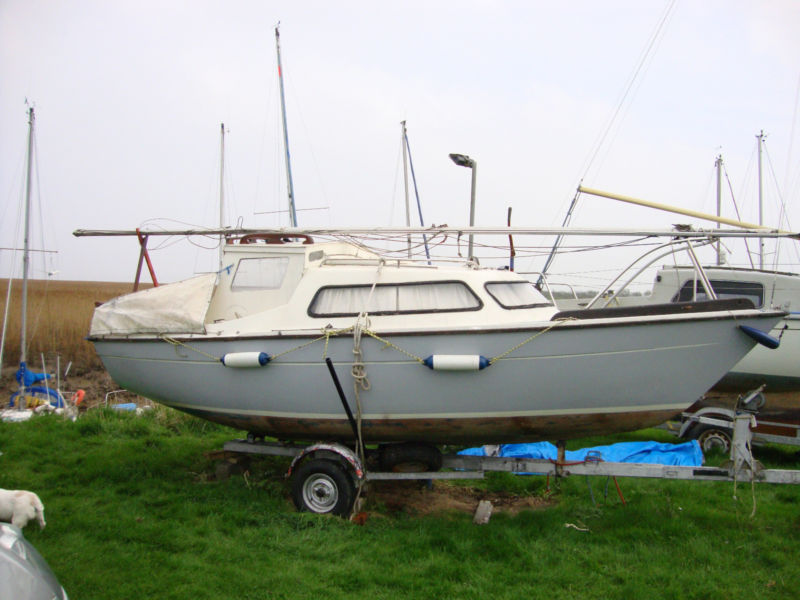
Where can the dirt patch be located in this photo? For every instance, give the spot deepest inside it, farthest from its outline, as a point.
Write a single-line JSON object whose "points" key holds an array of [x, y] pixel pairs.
{"points": [[415, 498], [96, 384]]}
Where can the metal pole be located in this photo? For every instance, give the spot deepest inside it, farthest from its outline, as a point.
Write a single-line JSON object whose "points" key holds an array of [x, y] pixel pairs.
{"points": [[462, 160], [221, 190], [405, 182], [718, 164], [474, 167], [760, 138], [26, 244], [289, 184], [699, 270]]}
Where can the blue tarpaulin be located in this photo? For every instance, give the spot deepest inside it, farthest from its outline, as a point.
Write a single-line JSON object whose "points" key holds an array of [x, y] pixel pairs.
{"points": [[687, 454]]}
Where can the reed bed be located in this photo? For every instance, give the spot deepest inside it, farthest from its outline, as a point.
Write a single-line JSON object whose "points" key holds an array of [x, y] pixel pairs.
{"points": [[59, 315]]}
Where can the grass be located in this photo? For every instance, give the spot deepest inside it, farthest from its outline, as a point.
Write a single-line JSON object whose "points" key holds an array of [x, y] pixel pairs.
{"points": [[133, 511]]}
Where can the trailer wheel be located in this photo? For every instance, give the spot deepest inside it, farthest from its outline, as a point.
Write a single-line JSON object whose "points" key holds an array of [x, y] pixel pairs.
{"points": [[409, 457], [324, 487], [713, 439]]}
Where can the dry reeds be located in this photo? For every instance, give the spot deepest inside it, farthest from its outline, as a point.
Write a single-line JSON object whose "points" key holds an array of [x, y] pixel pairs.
{"points": [[59, 314]]}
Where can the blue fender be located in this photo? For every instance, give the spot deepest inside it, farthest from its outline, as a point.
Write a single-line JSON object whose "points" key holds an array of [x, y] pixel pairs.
{"points": [[762, 338]]}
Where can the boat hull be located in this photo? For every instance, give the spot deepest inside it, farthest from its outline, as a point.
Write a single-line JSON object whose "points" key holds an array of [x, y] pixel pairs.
{"points": [[552, 381], [779, 371]]}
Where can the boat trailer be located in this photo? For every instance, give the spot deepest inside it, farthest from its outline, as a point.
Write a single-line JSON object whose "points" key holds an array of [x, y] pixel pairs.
{"points": [[327, 477]]}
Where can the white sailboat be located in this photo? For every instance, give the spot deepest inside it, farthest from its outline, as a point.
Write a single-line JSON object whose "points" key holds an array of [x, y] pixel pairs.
{"points": [[452, 352]]}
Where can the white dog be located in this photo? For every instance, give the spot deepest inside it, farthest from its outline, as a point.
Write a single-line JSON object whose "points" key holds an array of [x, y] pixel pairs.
{"points": [[19, 506]]}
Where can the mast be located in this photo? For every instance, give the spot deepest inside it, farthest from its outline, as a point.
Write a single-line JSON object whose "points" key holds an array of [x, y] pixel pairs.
{"points": [[405, 180], [221, 191], [26, 246], [760, 137], [718, 165], [407, 155], [289, 185]]}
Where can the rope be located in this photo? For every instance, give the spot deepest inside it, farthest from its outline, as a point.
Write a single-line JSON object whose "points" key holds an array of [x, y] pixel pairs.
{"points": [[301, 346], [358, 369], [530, 339], [176, 343], [359, 373], [388, 344], [751, 464]]}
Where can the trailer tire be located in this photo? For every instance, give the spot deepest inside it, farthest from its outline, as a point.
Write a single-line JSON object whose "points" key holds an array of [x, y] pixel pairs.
{"points": [[408, 457], [323, 487], [713, 439]]}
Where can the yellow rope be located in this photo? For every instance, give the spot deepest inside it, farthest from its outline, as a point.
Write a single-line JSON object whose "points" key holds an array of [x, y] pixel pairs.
{"points": [[530, 339], [300, 347], [389, 344], [175, 342], [329, 333]]}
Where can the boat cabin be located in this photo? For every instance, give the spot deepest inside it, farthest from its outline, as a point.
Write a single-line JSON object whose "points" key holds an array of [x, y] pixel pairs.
{"points": [[272, 284]]}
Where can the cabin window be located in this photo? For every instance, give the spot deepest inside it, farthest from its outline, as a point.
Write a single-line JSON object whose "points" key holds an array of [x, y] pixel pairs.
{"points": [[389, 299], [516, 294], [260, 273], [723, 289]]}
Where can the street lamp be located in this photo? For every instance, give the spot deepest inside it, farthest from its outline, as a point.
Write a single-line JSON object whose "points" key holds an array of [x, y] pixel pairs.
{"points": [[462, 160]]}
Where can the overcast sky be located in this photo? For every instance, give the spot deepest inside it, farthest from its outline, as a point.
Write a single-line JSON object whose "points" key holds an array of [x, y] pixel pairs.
{"points": [[129, 97]]}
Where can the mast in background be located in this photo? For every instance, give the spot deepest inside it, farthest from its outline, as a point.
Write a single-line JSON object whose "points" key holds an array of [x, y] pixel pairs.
{"points": [[408, 163], [26, 245], [221, 191], [718, 165], [289, 184], [760, 137], [405, 181]]}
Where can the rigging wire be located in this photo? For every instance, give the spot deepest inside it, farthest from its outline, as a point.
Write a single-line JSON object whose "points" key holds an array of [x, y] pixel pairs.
{"points": [[298, 109], [416, 190], [783, 216], [738, 216], [12, 269], [632, 85], [397, 163], [34, 329], [270, 106], [788, 185]]}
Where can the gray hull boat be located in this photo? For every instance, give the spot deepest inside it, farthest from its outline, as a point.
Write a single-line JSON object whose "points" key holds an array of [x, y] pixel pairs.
{"points": [[435, 354]]}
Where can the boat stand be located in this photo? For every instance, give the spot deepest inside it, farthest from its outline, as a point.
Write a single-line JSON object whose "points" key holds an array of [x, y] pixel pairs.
{"points": [[325, 476]]}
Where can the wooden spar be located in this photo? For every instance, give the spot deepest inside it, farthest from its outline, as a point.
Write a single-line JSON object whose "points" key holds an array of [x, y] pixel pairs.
{"points": [[676, 210], [144, 255]]}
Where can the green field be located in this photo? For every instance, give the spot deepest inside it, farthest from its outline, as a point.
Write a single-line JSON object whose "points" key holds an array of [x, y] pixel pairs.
{"points": [[134, 511]]}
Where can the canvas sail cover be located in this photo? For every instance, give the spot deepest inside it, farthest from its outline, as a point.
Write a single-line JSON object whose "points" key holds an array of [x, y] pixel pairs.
{"points": [[173, 308]]}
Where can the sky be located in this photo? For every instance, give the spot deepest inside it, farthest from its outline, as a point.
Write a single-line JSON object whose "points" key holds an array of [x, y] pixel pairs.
{"points": [[633, 97]]}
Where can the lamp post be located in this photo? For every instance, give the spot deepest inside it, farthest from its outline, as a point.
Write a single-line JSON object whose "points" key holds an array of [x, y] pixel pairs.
{"points": [[462, 160]]}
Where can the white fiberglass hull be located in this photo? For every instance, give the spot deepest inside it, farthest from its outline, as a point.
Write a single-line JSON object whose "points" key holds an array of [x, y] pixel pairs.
{"points": [[779, 370], [578, 377]]}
